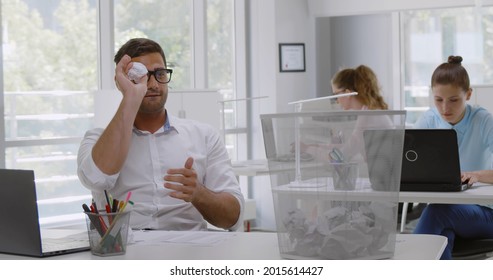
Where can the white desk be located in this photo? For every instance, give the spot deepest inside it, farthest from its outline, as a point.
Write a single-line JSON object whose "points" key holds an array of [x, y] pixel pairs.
{"points": [[260, 167], [255, 167], [247, 246], [477, 194]]}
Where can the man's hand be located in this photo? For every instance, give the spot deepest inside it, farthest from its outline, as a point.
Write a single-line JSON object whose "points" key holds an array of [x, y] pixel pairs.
{"points": [[220, 209], [184, 183], [123, 82]]}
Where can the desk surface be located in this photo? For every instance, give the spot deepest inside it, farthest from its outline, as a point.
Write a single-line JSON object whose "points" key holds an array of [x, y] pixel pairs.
{"points": [[254, 167], [244, 246], [477, 194]]}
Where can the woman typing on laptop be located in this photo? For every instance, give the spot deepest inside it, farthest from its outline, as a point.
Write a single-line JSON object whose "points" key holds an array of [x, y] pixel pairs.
{"points": [[474, 126], [482, 176]]}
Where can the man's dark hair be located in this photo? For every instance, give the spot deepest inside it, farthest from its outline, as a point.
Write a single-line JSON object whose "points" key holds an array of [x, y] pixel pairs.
{"points": [[139, 47]]}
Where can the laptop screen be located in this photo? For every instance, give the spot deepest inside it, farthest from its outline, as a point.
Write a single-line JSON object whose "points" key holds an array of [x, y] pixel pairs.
{"points": [[19, 230]]}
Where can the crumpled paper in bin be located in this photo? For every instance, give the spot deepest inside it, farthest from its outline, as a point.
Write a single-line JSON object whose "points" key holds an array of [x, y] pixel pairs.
{"points": [[340, 233]]}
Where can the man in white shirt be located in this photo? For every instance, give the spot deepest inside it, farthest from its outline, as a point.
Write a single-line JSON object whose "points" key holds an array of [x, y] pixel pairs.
{"points": [[178, 170]]}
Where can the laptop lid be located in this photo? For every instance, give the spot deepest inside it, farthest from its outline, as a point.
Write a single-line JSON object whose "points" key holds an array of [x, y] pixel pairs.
{"points": [[20, 231], [269, 138], [430, 161], [383, 150]]}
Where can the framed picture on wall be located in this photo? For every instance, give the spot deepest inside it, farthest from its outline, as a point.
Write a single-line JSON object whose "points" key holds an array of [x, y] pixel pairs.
{"points": [[292, 57]]}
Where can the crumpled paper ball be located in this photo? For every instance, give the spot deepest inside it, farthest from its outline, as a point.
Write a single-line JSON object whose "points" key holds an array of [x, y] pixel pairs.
{"points": [[137, 71]]}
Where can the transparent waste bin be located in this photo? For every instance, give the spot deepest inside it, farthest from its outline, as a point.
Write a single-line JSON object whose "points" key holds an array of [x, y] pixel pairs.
{"points": [[335, 182]]}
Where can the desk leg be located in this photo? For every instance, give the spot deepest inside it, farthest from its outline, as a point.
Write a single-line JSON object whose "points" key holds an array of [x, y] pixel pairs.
{"points": [[404, 215]]}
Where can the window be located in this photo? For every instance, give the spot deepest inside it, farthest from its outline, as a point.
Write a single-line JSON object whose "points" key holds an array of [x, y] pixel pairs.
{"points": [[221, 70], [167, 22], [430, 36], [49, 70], [202, 55]]}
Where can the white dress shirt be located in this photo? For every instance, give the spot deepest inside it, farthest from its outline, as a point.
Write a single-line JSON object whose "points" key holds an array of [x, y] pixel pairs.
{"points": [[149, 157]]}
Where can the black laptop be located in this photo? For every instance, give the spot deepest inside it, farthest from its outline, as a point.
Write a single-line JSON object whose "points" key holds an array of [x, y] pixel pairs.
{"points": [[20, 231], [430, 159]]}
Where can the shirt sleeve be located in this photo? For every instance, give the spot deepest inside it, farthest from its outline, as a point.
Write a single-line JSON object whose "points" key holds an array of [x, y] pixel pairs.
{"points": [[89, 174], [487, 130], [219, 173]]}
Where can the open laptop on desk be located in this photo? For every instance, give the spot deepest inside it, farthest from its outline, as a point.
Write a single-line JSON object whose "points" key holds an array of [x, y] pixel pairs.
{"points": [[430, 161], [20, 231]]}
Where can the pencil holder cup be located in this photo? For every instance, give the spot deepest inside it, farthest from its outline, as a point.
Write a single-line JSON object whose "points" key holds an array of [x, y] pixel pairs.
{"points": [[108, 232], [344, 176]]}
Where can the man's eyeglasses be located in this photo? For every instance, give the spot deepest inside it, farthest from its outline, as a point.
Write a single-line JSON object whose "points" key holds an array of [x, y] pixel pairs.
{"points": [[162, 75]]}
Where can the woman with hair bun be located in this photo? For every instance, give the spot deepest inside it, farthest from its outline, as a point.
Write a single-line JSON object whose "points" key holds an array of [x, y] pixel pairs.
{"points": [[474, 126]]}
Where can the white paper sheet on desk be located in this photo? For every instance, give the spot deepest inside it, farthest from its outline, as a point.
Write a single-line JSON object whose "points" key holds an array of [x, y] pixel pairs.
{"points": [[204, 238]]}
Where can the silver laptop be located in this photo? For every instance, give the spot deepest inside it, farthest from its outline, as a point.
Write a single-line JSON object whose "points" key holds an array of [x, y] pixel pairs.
{"points": [[20, 231]]}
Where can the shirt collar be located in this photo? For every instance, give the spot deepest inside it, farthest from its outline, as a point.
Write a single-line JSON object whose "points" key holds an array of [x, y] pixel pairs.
{"points": [[167, 126], [165, 129]]}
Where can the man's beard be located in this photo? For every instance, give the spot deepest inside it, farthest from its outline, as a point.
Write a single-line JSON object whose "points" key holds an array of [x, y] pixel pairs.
{"points": [[150, 107]]}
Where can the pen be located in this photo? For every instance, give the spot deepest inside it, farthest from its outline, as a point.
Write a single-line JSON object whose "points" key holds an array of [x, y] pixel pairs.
{"points": [[101, 221], [108, 212], [95, 207], [336, 155], [86, 208], [93, 219], [107, 198], [120, 205], [126, 201], [114, 205]]}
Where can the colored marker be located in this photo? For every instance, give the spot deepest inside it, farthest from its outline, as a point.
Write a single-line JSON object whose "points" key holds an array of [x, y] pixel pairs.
{"points": [[107, 198], [114, 205]]}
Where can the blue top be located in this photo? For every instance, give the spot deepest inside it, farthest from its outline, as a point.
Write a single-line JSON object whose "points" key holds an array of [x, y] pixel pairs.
{"points": [[474, 135]]}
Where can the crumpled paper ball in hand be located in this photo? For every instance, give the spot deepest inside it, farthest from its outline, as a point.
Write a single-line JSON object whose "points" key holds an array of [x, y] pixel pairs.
{"points": [[137, 71]]}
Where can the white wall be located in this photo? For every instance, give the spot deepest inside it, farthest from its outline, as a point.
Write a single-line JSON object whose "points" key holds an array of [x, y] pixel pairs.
{"points": [[356, 40], [201, 105], [295, 25], [274, 22], [323, 58]]}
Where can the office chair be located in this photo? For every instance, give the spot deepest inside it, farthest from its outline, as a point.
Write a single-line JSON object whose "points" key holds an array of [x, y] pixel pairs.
{"points": [[472, 249]]}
